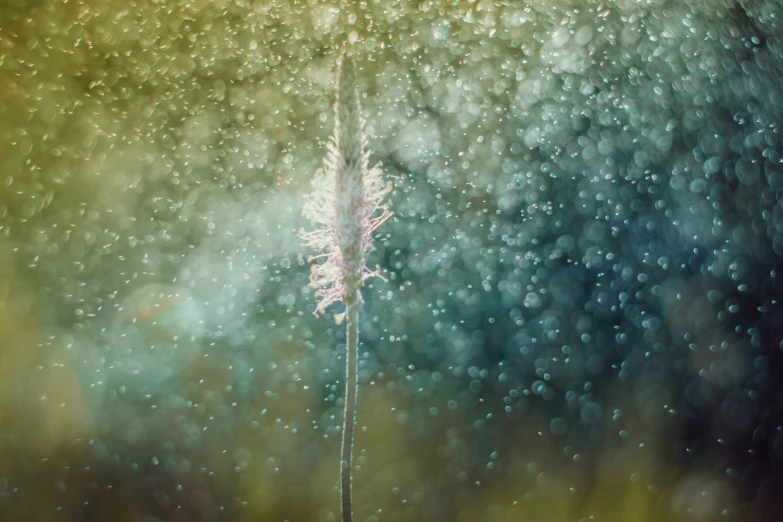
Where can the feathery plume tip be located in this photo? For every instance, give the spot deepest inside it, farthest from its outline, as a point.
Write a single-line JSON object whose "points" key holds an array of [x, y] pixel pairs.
{"points": [[346, 203]]}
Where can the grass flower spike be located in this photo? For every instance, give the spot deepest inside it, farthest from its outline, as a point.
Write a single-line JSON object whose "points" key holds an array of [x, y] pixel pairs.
{"points": [[346, 205]]}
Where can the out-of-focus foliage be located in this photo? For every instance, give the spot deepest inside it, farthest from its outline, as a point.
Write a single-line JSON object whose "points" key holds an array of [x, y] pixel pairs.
{"points": [[581, 318]]}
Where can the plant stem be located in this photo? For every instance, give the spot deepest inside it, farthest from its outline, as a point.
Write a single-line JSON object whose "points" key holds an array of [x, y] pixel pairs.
{"points": [[349, 412]]}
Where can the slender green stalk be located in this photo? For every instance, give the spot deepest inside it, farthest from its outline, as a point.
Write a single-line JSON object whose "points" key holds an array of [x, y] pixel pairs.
{"points": [[349, 411]]}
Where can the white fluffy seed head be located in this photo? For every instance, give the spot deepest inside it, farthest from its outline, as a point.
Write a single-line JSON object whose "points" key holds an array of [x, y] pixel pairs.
{"points": [[346, 203]]}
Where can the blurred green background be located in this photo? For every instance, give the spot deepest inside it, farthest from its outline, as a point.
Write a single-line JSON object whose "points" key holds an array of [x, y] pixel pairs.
{"points": [[580, 319]]}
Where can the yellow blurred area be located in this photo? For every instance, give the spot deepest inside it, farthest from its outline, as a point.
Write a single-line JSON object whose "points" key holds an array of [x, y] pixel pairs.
{"points": [[41, 405], [625, 481]]}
